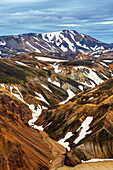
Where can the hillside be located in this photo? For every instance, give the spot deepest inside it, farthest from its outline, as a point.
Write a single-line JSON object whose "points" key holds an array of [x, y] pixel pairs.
{"points": [[54, 111], [66, 44]]}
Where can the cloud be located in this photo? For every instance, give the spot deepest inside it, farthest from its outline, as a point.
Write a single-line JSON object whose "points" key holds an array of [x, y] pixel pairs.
{"points": [[94, 18], [106, 22], [69, 25]]}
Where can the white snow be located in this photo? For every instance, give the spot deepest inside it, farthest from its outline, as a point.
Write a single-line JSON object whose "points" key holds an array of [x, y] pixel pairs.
{"points": [[27, 49], [46, 87], [2, 43], [62, 141], [90, 91], [70, 44], [48, 124], [35, 113], [81, 51], [56, 67], [102, 48], [104, 64], [37, 50], [50, 36], [72, 35], [96, 160], [50, 59], [105, 76], [23, 64], [40, 44], [80, 87], [91, 98], [108, 61], [85, 127], [3, 85], [95, 52], [92, 75], [105, 51], [84, 46], [45, 68], [82, 35], [41, 97], [94, 48], [70, 96], [19, 96], [89, 85], [54, 82], [37, 67], [93, 69], [50, 161], [96, 56], [64, 49], [38, 127]]}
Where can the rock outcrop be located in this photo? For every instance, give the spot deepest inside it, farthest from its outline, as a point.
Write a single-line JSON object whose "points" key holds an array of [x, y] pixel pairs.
{"points": [[21, 147]]}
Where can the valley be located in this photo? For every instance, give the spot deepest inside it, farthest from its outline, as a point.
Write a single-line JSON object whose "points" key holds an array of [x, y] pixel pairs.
{"points": [[56, 110]]}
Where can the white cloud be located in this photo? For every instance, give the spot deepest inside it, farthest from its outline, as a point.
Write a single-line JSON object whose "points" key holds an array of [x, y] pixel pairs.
{"points": [[106, 22], [69, 25], [100, 23]]}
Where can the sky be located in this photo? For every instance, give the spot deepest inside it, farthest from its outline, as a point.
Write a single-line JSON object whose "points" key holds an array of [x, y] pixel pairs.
{"points": [[94, 18]]}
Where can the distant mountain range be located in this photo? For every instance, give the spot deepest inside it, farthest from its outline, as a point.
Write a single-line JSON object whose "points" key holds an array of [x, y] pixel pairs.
{"points": [[66, 44]]}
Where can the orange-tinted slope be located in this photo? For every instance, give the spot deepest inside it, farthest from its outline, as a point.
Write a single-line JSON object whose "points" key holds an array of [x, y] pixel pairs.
{"points": [[21, 147]]}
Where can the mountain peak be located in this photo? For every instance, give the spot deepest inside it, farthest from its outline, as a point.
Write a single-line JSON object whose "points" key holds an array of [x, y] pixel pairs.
{"points": [[65, 43]]}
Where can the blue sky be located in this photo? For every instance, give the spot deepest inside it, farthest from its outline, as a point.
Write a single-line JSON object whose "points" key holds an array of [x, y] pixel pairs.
{"points": [[94, 18]]}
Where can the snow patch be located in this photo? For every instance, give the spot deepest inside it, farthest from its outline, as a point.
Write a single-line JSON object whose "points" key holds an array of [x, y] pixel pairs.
{"points": [[41, 98], [104, 64], [108, 61], [80, 87], [62, 141], [37, 50], [46, 87], [54, 82], [45, 68], [23, 64], [96, 160], [91, 74], [91, 98], [56, 67], [2, 43], [70, 96], [85, 127], [64, 49], [50, 59]]}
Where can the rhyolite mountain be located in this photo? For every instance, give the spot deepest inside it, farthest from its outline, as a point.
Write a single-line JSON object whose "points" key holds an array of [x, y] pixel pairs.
{"points": [[65, 44], [54, 111]]}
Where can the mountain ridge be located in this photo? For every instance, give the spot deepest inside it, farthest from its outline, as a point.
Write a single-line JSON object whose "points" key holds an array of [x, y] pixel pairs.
{"points": [[45, 101], [65, 44]]}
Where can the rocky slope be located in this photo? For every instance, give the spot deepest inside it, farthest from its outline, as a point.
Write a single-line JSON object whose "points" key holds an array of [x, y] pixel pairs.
{"points": [[48, 106], [66, 43], [21, 147], [84, 124]]}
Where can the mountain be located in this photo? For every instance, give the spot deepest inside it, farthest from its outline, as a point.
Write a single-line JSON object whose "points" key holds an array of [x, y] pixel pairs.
{"points": [[66, 44], [84, 125], [20, 145], [54, 111]]}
